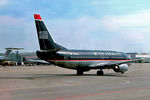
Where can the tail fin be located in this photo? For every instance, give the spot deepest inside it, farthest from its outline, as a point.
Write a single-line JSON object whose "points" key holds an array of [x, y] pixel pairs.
{"points": [[46, 41], [7, 53], [8, 50]]}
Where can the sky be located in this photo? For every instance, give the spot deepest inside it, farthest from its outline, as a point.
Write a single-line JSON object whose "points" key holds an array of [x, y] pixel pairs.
{"points": [[120, 25]]}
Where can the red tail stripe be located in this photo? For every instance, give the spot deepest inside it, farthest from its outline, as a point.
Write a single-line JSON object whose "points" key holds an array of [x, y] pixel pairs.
{"points": [[37, 16]]}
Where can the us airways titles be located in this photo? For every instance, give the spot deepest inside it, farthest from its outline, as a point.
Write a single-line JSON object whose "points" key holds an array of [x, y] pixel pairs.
{"points": [[95, 53]]}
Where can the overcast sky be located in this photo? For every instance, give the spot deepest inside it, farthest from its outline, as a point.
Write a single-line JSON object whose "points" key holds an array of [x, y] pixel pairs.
{"points": [[121, 25]]}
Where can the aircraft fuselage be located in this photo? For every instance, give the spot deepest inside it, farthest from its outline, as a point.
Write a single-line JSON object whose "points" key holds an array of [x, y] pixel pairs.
{"points": [[80, 60], [74, 59]]}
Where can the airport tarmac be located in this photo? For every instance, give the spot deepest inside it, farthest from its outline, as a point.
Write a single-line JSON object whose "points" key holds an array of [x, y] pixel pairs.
{"points": [[55, 83]]}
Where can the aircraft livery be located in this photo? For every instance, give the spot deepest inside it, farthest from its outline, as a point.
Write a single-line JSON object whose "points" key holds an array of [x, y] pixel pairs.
{"points": [[80, 60]]}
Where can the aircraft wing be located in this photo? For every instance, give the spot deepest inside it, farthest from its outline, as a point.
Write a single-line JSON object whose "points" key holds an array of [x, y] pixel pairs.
{"points": [[37, 61], [110, 64]]}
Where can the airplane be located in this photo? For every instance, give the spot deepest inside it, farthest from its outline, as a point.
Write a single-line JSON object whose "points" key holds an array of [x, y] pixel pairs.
{"points": [[11, 58], [79, 60], [8, 51], [6, 59]]}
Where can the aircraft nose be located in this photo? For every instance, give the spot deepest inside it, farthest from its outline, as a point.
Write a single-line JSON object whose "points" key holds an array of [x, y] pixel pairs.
{"points": [[128, 57]]}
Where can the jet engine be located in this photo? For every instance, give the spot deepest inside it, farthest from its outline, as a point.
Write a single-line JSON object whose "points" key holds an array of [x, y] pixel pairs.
{"points": [[121, 68]]}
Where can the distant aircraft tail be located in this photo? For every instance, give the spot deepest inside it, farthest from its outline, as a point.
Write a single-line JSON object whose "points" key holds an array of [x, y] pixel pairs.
{"points": [[46, 41], [7, 53]]}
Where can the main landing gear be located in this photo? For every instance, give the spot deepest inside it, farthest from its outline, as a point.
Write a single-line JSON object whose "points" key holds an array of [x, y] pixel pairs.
{"points": [[100, 73], [79, 72]]}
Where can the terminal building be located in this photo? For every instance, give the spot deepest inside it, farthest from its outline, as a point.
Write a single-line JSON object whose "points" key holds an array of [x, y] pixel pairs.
{"points": [[144, 56], [132, 55]]}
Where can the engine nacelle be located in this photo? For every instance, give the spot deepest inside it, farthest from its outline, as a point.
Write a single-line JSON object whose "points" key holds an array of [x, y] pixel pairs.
{"points": [[121, 68]]}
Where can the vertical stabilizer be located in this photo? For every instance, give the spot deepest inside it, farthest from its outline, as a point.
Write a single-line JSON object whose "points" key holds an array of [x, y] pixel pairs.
{"points": [[7, 53], [46, 41]]}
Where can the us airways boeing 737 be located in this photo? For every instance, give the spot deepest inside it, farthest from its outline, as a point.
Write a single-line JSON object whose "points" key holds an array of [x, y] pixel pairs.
{"points": [[80, 60]]}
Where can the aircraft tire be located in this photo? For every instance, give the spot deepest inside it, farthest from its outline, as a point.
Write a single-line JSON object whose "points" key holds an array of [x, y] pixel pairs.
{"points": [[100, 73], [79, 72]]}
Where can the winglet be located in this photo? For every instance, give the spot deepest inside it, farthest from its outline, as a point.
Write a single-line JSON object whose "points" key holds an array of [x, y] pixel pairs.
{"points": [[37, 17]]}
